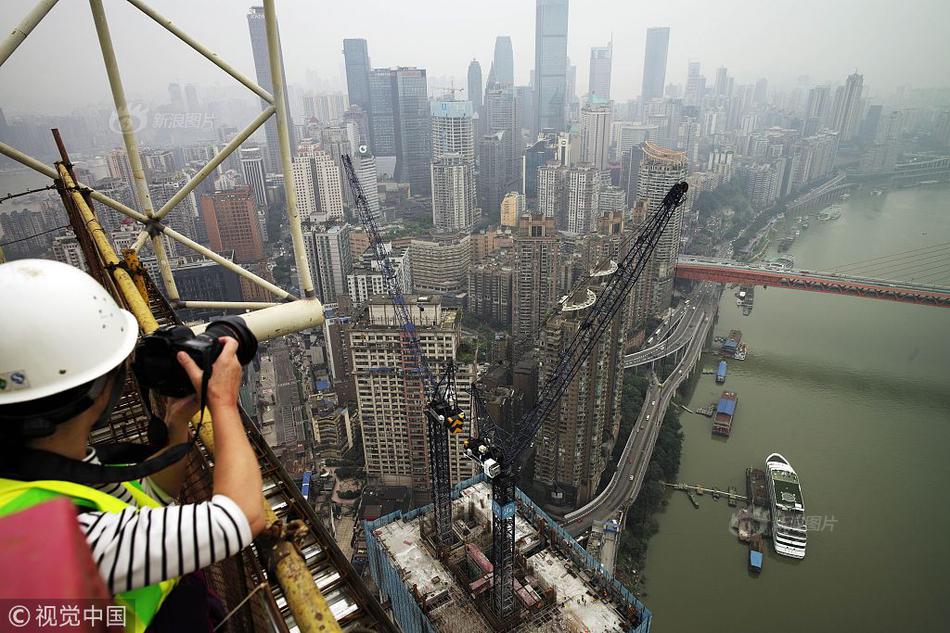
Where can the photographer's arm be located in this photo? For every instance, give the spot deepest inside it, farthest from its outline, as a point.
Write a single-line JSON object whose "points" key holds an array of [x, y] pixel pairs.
{"points": [[237, 474]]}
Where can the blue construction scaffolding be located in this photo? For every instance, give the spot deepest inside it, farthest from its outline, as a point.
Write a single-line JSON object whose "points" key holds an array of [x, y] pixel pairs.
{"points": [[407, 612]]}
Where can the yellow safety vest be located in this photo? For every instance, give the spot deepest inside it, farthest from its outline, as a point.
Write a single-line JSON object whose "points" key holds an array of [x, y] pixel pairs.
{"points": [[141, 604]]}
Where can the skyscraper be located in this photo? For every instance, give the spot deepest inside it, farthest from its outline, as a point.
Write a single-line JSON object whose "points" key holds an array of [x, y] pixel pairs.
{"points": [[317, 183], [501, 115], [453, 165], [494, 151], [695, 86], [598, 86], [255, 24], [331, 260], [660, 168], [252, 168], [365, 164], [233, 225], [452, 182], [399, 120], [583, 189], [847, 112], [356, 60], [595, 134], [503, 65], [535, 287], [391, 400], [550, 63], [475, 85], [654, 63]]}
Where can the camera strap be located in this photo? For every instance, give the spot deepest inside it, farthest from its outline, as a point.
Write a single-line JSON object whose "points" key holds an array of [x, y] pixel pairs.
{"points": [[31, 464]]}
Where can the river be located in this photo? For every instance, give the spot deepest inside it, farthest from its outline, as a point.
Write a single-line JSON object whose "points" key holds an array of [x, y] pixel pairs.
{"points": [[856, 394]]}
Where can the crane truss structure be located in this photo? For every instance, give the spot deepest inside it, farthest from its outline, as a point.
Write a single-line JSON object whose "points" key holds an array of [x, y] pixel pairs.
{"points": [[153, 229], [440, 393]]}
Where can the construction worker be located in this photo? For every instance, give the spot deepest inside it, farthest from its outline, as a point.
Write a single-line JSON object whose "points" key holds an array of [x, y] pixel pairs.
{"points": [[64, 344]]}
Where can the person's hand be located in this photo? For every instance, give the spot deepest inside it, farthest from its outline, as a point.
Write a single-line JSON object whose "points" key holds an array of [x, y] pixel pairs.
{"points": [[225, 383], [178, 412]]}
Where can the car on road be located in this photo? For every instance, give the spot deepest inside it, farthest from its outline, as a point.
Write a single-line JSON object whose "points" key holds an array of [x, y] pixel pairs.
{"points": [[631, 477]]}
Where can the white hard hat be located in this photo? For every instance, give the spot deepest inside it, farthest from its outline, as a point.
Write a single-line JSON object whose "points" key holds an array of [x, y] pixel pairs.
{"points": [[58, 329]]}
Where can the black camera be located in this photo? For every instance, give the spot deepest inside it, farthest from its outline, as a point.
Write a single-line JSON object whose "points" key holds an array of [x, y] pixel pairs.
{"points": [[156, 367]]}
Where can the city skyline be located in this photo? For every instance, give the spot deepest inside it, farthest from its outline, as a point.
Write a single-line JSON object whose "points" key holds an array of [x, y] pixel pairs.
{"points": [[828, 56]]}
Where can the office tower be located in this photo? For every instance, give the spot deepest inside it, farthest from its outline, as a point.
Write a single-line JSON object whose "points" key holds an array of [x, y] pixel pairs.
{"points": [[550, 63], [524, 107], [512, 208], [256, 26], [583, 191], [391, 400], [475, 85], [365, 165], [366, 279], [595, 134], [232, 224], [501, 116], [495, 153], [503, 65], [399, 119], [453, 183], [252, 167], [571, 103], [183, 216], [440, 262], [598, 86], [489, 290], [654, 63], [534, 291], [331, 260], [317, 184], [695, 86], [722, 86], [848, 108], [356, 61], [383, 113], [536, 156], [660, 168]]}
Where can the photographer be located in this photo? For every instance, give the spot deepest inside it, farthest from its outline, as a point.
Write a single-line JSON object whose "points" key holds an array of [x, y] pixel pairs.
{"points": [[60, 380]]}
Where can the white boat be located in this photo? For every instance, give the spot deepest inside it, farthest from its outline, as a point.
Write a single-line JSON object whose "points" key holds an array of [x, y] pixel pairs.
{"points": [[788, 507]]}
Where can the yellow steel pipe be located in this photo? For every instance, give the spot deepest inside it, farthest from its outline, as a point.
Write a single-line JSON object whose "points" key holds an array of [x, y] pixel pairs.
{"points": [[136, 304]]}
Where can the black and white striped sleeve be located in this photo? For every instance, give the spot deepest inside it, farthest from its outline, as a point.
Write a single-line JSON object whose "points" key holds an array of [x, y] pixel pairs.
{"points": [[140, 547]]}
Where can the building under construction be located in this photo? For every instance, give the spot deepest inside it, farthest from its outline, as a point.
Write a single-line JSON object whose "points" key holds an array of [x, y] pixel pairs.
{"points": [[559, 586]]}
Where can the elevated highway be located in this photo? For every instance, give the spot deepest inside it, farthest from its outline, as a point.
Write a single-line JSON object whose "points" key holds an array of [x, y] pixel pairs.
{"points": [[627, 479]]}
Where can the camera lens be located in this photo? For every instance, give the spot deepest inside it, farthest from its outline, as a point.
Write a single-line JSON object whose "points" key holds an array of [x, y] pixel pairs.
{"points": [[236, 328]]}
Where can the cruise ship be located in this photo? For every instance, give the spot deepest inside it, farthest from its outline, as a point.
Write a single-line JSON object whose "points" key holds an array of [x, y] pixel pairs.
{"points": [[788, 507]]}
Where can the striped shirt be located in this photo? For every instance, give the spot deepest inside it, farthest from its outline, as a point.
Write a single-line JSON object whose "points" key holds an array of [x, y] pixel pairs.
{"points": [[142, 546]]}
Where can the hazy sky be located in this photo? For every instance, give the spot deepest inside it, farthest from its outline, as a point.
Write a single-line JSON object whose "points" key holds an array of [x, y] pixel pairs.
{"points": [[891, 43]]}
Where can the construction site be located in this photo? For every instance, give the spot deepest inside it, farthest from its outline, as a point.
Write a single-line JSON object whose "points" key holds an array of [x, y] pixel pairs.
{"points": [[558, 585]]}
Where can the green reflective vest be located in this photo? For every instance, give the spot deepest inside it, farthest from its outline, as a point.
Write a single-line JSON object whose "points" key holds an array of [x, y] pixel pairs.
{"points": [[141, 604]]}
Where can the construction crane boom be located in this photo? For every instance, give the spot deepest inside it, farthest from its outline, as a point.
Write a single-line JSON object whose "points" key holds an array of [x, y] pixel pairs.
{"points": [[500, 455], [441, 411]]}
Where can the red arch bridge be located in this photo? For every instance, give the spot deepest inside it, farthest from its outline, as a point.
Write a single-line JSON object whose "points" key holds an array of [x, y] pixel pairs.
{"points": [[772, 274]]}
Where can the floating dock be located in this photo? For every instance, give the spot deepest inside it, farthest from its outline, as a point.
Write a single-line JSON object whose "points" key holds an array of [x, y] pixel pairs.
{"points": [[730, 494]]}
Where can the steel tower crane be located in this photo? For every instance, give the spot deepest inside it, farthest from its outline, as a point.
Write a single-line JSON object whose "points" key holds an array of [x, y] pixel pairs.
{"points": [[499, 451], [442, 412]]}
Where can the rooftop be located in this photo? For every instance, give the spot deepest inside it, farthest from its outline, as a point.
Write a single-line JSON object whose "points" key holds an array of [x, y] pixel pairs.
{"points": [[566, 589]]}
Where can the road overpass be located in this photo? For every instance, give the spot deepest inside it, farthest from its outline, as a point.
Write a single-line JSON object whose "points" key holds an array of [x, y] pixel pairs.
{"points": [[759, 274], [624, 485]]}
